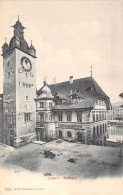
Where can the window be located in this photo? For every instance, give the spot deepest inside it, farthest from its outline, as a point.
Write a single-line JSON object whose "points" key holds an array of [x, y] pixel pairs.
{"points": [[27, 117], [60, 118], [27, 85], [96, 116], [69, 117], [79, 118], [50, 104], [94, 132], [68, 134], [20, 83], [26, 74], [93, 116], [26, 97], [23, 83], [8, 63], [96, 102], [42, 104], [100, 116], [97, 130], [50, 117], [41, 117]]}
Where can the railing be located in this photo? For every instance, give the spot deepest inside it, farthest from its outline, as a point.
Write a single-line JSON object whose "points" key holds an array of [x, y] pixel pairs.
{"points": [[39, 124], [69, 125]]}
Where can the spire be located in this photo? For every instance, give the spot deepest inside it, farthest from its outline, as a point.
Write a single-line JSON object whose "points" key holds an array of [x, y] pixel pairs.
{"points": [[5, 40], [18, 18], [31, 42], [91, 70]]}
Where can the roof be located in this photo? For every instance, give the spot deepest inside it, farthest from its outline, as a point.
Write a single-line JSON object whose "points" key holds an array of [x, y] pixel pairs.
{"points": [[45, 93], [77, 94], [86, 87], [60, 96], [86, 103], [18, 41]]}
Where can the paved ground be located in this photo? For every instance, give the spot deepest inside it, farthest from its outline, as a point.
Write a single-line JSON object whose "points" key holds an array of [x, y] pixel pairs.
{"points": [[90, 161]]}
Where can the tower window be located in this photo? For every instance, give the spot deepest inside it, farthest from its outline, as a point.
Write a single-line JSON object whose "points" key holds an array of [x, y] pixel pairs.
{"points": [[8, 63], [23, 84], [26, 74], [8, 74], [26, 97], [27, 117]]}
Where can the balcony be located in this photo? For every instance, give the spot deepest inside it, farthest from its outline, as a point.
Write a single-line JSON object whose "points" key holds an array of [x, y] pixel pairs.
{"points": [[69, 125], [40, 124]]}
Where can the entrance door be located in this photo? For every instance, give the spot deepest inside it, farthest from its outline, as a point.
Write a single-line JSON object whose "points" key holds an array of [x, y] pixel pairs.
{"points": [[60, 134], [41, 135], [79, 137]]}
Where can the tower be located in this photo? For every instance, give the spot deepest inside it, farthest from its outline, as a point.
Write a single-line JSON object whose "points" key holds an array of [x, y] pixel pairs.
{"points": [[19, 88]]}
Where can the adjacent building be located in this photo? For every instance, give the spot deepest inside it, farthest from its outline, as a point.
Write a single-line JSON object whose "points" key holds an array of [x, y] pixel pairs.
{"points": [[116, 113]]}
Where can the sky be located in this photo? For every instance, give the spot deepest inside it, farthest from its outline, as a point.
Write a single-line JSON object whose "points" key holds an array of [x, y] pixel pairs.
{"points": [[69, 38]]}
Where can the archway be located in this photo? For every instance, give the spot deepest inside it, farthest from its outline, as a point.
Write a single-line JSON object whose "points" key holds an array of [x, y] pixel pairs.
{"points": [[94, 132], [41, 135], [68, 134], [60, 134], [79, 137]]}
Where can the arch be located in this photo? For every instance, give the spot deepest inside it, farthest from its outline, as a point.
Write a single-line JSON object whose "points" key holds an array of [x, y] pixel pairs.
{"points": [[97, 130], [94, 132], [69, 134], [100, 129], [103, 128], [79, 137], [60, 134]]}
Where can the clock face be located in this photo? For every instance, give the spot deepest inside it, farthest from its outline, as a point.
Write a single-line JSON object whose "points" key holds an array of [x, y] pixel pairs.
{"points": [[26, 64]]}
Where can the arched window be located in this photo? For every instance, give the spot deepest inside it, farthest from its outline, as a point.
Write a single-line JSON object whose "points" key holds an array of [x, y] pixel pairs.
{"points": [[94, 132], [100, 116], [68, 134], [103, 128], [93, 116], [97, 130], [100, 129]]}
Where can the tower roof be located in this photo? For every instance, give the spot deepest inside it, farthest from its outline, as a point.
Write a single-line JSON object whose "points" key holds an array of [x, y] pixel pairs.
{"points": [[18, 41], [45, 92]]}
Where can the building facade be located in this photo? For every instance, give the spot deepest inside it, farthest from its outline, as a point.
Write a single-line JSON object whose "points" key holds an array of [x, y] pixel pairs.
{"points": [[19, 88], [79, 111], [116, 113]]}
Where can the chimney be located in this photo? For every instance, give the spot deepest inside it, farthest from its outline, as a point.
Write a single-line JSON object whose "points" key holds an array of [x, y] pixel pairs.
{"points": [[71, 79], [45, 83]]}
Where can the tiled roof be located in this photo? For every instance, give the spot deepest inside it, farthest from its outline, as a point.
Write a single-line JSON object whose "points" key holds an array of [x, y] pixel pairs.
{"points": [[87, 87], [86, 103]]}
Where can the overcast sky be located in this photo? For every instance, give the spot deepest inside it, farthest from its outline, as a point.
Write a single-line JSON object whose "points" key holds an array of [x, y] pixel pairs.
{"points": [[69, 37]]}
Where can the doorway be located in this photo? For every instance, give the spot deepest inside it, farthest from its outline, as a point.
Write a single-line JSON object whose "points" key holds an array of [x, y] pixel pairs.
{"points": [[60, 134], [79, 137]]}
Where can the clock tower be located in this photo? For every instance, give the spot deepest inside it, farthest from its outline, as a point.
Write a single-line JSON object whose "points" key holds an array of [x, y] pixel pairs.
{"points": [[19, 88]]}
